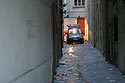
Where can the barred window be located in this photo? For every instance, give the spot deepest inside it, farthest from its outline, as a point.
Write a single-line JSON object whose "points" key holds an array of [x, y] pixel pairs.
{"points": [[83, 2], [79, 2], [75, 2]]}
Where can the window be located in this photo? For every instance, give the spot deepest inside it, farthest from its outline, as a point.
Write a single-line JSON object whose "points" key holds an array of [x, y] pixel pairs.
{"points": [[79, 3], [75, 2], [83, 2]]}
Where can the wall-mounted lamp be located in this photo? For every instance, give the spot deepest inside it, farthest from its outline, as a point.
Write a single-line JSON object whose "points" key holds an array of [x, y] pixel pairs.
{"points": [[64, 4]]}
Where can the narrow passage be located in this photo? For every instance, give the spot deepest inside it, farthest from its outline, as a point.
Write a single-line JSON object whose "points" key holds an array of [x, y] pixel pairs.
{"points": [[81, 63]]}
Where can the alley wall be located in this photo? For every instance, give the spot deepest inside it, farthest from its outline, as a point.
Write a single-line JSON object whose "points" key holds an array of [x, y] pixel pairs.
{"points": [[57, 24], [121, 36], [26, 42], [106, 29], [91, 13]]}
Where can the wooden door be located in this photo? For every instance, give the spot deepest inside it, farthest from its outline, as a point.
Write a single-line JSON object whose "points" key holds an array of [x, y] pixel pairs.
{"points": [[81, 22]]}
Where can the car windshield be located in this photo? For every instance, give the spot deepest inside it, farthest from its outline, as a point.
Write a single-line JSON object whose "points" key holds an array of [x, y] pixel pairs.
{"points": [[74, 31]]}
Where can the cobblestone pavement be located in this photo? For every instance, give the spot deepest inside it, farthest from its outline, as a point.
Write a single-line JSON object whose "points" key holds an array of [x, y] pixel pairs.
{"points": [[81, 63]]}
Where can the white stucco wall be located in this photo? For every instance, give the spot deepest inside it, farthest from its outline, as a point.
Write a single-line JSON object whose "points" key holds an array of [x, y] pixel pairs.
{"points": [[25, 42], [69, 21]]}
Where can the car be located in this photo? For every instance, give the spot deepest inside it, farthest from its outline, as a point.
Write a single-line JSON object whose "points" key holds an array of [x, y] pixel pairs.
{"points": [[74, 34]]}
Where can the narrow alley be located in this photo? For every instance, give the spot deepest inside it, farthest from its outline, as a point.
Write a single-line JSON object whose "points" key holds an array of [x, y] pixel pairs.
{"points": [[33, 32], [81, 63]]}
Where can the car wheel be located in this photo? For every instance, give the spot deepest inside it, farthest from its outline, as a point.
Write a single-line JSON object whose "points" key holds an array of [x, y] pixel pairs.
{"points": [[68, 42], [81, 42]]}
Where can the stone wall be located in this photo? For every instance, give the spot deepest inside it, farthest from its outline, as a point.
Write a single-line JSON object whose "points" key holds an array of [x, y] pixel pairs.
{"points": [[57, 33], [106, 26]]}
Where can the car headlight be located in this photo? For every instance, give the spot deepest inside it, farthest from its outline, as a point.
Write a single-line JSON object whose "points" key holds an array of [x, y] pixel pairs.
{"points": [[69, 37]]}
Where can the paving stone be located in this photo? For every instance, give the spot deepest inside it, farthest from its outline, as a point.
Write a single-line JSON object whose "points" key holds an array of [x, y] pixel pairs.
{"points": [[81, 63]]}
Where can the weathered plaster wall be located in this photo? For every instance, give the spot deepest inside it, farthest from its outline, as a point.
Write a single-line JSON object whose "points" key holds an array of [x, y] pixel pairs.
{"points": [[25, 42], [69, 21], [91, 20]]}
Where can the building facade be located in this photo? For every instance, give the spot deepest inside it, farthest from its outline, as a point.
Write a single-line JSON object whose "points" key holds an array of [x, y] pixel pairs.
{"points": [[105, 19], [74, 8]]}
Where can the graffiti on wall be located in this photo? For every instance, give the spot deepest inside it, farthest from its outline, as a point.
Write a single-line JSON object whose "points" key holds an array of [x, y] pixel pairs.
{"points": [[33, 32]]}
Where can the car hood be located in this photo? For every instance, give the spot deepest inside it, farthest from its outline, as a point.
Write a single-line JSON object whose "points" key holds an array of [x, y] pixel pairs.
{"points": [[76, 35]]}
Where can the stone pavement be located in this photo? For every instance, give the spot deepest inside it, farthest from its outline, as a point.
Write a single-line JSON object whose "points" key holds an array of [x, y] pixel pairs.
{"points": [[81, 63]]}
